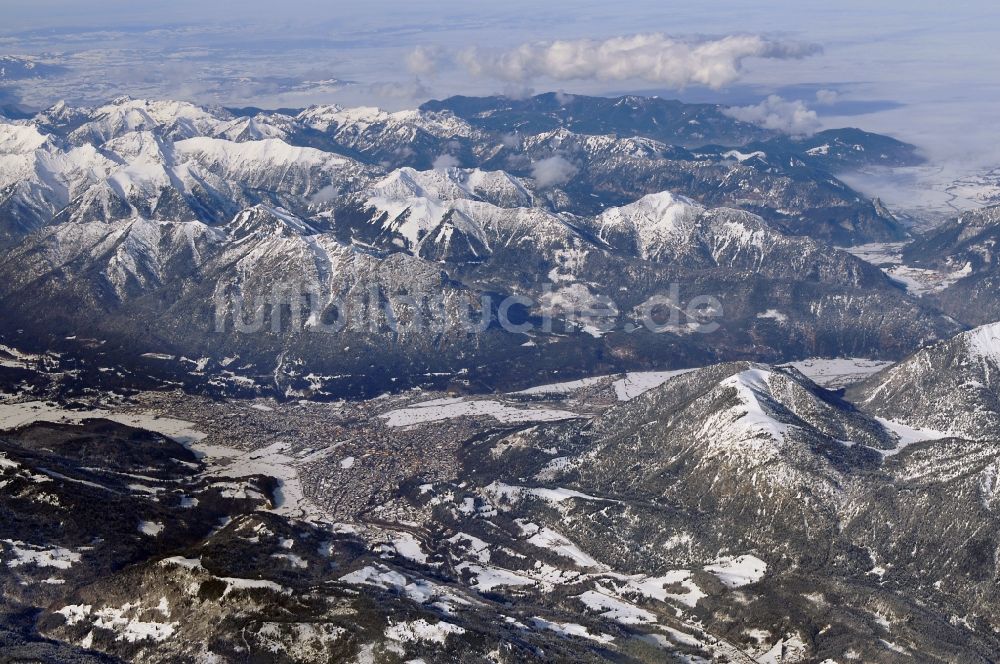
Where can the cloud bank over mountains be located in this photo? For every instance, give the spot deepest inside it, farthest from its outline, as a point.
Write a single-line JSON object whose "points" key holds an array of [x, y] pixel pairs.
{"points": [[652, 58], [787, 116]]}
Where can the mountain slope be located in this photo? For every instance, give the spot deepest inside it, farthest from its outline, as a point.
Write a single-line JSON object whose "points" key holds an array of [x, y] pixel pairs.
{"points": [[181, 159], [672, 122], [736, 512], [418, 252], [963, 249], [952, 386]]}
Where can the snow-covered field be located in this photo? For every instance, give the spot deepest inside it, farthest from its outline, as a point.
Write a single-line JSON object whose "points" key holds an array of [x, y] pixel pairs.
{"points": [[572, 629], [878, 253], [421, 630], [739, 571], [450, 409], [547, 538], [838, 372], [14, 358], [626, 386], [637, 382], [15, 415], [221, 460], [567, 387], [290, 498], [908, 435], [920, 281], [917, 281], [612, 608]]}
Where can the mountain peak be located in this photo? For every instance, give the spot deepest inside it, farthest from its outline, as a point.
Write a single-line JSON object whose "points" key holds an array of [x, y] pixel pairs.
{"points": [[267, 220], [18, 139], [759, 416], [650, 222], [496, 187], [984, 341], [663, 203]]}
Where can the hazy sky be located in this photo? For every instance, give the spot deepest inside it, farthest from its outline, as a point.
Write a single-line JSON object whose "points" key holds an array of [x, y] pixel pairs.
{"points": [[924, 71]]}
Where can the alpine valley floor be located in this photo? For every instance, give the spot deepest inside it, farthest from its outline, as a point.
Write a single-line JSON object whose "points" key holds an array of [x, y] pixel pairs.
{"points": [[738, 512]]}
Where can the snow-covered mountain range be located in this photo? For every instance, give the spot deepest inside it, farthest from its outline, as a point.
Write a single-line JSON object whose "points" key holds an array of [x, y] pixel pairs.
{"points": [[142, 223], [489, 381]]}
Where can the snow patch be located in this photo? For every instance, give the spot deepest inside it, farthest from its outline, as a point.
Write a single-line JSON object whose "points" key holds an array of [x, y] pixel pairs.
{"points": [[984, 341], [568, 629], [839, 372], [907, 435], [150, 528], [409, 547], [482, 408], [773, 314], [546, 538], [567, 387], [612, 608], [739, 571], [421, 630], [39, 556], [636, 383]]}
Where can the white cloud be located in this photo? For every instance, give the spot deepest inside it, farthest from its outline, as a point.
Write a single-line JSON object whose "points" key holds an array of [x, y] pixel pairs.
{"points": [[424, 60], [552, 171], [324, 195], [563, 97], [444, 161], [827, 97], [399, 90], [517, 91], [789, 117], [653, 57]]}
